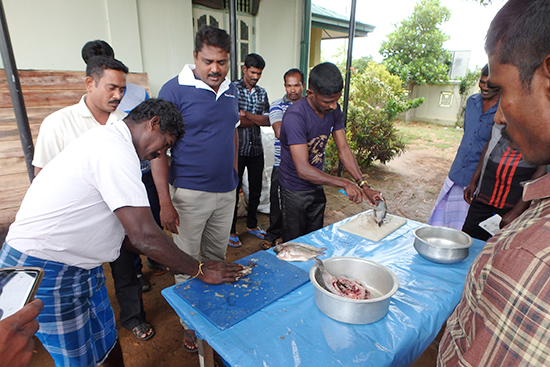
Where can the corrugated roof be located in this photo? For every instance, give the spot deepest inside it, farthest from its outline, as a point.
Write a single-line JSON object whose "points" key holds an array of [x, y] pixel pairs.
{"points": [[336, 25], [319, 10]]}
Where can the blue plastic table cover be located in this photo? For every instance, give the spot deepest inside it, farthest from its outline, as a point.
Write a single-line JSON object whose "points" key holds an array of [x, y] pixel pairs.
{"points": [[292, 331]]}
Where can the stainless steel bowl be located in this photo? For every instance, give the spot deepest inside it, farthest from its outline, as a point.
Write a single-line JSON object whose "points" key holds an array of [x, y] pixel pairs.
{"points": [[378, 279], [441, 244]]}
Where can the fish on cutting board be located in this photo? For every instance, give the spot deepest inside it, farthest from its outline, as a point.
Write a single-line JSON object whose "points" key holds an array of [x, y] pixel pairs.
{"points": [[342, 286], [248, 268], [380, 209], [295, 251], [380, 212]]}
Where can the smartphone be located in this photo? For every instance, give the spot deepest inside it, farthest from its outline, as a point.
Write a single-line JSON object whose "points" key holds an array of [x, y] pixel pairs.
{"points": [[18, 287]]}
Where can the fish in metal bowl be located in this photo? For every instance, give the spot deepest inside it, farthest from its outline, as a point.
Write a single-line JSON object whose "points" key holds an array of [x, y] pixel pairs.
{"points": [[358, 290], [342, 286]]}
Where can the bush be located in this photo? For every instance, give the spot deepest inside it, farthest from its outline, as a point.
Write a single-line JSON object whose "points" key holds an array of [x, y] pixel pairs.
{"points": [[466, 83], [376, 98]]}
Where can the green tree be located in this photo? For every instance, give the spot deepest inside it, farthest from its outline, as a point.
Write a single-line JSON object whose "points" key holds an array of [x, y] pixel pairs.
{"points": [[341, 55], [414, 51], [361, 64]]}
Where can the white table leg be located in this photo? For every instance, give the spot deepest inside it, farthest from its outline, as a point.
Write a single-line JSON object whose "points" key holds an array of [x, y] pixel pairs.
{"points": [[206, 354]]}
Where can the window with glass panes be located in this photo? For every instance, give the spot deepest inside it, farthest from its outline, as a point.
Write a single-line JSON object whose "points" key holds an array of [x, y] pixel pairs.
{"points": [[220, 18]]}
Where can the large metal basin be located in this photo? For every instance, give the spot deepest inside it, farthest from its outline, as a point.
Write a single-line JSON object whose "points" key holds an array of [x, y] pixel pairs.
{"points": [[379, 280], [441, 244]]}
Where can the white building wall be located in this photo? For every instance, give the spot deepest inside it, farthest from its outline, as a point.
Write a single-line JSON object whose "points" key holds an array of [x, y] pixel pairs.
{"points": [[278, 35], [152, 36], [436, 109], [166, 31], [50, 34]]}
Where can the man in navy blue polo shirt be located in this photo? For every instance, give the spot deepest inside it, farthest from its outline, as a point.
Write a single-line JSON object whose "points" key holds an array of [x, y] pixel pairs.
{"points": [[450, 209], [197, 195]]}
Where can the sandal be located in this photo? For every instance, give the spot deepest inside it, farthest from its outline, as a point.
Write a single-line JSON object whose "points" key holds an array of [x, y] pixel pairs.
{"points": [[258, 232], [145, 286], [143, 331], [266, 245], [190, 335], [234, 241], [158, 269]]}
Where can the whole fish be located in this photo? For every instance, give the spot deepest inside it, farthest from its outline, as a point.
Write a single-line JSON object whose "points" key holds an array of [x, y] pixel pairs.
{"points": [[380, 212], [294, 251], [342, 286], [380, 209]]}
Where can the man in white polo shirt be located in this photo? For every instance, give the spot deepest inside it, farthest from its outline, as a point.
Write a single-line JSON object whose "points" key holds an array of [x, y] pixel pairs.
{"points": [[74, 218], [105, 85]]}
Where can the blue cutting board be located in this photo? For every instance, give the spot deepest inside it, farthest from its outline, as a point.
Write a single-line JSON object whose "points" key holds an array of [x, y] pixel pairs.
{"points": [[226, 304]]}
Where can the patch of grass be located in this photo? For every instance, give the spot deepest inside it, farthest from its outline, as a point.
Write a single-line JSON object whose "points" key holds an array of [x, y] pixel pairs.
{"points": [[431, 135], [442, 145]]}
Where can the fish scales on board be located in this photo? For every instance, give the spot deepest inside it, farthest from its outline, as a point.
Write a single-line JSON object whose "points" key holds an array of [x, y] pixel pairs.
{"points": [[343, 286], [295, 251]]}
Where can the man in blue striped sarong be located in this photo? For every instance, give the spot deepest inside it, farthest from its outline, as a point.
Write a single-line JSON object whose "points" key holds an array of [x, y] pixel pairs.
{"points": [[75, 217]]}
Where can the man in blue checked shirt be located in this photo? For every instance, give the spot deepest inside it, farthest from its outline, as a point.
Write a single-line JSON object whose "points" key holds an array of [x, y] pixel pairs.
{"points": [[253, 112]]}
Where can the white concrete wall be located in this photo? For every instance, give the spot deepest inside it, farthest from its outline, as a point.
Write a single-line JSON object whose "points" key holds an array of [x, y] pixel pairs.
{"points": [[152, 36], [430, 110], [278, 34], [166, 31], [50, 34]]}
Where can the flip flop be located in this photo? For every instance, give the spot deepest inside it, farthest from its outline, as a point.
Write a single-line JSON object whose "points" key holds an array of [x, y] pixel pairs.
{"points": [[234, 241], [260, 233], [143, 329], [188, 334]]}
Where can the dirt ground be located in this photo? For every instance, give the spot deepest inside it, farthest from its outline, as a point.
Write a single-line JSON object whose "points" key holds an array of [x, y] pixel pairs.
{"points": [[410, 184]]}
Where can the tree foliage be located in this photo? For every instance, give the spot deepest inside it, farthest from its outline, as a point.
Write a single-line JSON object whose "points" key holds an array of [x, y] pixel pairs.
{"points": [[466, 83], [341, 57], [376, 98], [414, 51], [361, 64]]}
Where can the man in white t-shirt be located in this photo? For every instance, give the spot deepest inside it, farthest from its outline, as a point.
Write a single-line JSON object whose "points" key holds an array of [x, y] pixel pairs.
{"points": [[127, 273], [74, 218]]}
